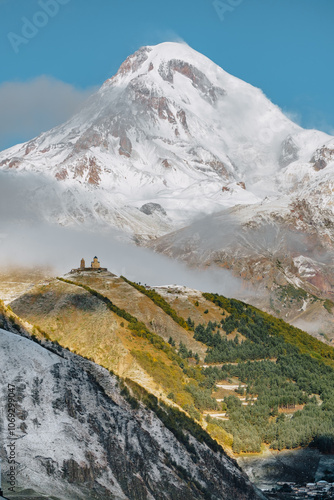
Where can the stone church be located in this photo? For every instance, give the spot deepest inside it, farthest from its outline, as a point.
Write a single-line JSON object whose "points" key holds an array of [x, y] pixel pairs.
{"points": [[95, 266]]}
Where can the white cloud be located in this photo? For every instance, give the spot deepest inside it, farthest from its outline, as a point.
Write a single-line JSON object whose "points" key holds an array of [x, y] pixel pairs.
{"points": [[41, 244], [294, 116], [29, 108], [26, 239]]}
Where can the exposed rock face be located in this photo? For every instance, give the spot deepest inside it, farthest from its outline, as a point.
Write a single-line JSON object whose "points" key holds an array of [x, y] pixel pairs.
{"points": [[134, 62], [166, 163], [322, 157], [173, 127], [79, 438], [125, 146], [268, 246], [289, 152], [61, 175], [198, 79], [151, 208]]}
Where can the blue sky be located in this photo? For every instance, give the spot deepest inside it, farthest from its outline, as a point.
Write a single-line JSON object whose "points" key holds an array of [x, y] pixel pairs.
{"points": [[285, 47]]}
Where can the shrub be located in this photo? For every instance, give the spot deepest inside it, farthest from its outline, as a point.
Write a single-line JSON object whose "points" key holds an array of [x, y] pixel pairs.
{"points": [[192, 412], [328, 305], [160, 302], [218, 433]]}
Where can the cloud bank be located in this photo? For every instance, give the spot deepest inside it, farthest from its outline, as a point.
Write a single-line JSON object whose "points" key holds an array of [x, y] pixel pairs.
{"points": [[26, 239], [29, 108]]}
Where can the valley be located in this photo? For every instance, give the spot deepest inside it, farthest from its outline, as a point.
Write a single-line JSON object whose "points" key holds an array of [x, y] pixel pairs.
{"points": [[134, 391], [252, 381], [79, 426]]}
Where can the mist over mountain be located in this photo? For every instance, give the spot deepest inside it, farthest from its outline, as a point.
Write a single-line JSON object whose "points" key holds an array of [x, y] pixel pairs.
{"points": [[182, 157]]}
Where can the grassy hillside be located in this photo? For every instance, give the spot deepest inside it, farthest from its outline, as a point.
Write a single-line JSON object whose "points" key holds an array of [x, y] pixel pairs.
{"points": [[14, 280], [90, 324], [242, 314], [125, 296], [287, 374], [273, 382], [160, 302], [291, 383]]}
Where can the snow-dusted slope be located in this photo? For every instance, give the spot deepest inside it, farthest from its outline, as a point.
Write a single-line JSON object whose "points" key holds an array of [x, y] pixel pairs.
{"points": [[282, 248], [78, 437], [172, 132]]}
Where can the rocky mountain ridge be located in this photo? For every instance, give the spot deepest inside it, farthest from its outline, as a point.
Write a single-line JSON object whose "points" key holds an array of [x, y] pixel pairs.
{"points": [[80, 436]]}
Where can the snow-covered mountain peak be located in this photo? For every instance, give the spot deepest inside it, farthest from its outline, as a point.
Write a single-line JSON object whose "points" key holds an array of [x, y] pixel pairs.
{"points": [[155, 57], [171, 129]]}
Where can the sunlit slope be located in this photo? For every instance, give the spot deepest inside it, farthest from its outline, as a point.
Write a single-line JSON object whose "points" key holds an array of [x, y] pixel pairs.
{"points": [[190, 303], [205, 307], [125, 296], [16, 280], [82, 322], [78, 321], [255, 367]]}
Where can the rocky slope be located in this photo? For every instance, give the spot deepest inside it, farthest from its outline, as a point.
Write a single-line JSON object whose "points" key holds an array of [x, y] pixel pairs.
{"points": [[79, 437], [280, 251]]}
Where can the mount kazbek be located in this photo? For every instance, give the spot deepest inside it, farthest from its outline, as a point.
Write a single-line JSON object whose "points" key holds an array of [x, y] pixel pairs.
{"points": [[197, 164]]}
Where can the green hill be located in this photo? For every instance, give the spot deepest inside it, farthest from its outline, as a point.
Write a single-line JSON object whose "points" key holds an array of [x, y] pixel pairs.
{"points": [[245, 376]]}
